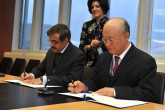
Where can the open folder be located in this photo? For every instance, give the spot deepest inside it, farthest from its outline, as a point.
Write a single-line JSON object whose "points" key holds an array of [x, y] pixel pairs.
{"points": [[29, 85], [106, 100]]}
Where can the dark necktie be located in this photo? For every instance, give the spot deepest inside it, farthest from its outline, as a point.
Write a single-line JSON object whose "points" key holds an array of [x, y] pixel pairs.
{"points": [[115, 67], [57, 56]]}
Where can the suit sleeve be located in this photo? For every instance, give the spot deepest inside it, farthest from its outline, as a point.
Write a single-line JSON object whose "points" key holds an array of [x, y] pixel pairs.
{"points": [[40, 69], [75, 72], [145, 89], [93, 82]]}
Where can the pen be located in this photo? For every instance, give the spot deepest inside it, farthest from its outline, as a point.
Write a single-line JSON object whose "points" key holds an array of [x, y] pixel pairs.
{"points": [[88, 92], [73, 84], [24, 74], [85, 98]]}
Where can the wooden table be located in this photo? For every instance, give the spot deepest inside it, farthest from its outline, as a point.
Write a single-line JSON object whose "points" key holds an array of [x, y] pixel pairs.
{"points": [[16, 97], [8, 77], [84, 105]]}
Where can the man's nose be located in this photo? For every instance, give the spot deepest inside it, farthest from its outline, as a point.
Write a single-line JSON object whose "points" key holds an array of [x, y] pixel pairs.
{"points": [[51, 44], [108, 44]]}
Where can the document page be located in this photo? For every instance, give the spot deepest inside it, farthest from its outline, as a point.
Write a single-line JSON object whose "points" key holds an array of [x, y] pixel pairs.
{"points": [[106, 100], [119, 103], [29, 85], [79, 95]]}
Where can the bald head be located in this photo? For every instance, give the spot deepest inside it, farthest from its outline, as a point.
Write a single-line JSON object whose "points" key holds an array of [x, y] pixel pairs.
{"points": [[121, 23], [115, 35]]}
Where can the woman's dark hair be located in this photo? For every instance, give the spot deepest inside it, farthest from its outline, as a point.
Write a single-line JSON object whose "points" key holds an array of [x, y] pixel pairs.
{"points": [[104, 4]]}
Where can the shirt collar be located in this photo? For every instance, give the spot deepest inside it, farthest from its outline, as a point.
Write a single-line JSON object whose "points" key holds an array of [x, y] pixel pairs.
{"points": [[124, 53], [62, 51]]}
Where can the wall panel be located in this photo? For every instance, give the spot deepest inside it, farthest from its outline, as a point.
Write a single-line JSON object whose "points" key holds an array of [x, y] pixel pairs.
{"points": [[7, 8]]}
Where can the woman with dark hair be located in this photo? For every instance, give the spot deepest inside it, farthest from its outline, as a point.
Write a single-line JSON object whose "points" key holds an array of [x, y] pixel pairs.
{"points": [[91, 35]]}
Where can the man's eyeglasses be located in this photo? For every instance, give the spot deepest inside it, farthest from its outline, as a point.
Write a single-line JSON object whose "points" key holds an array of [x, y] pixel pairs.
{"points": [[53, 41], [110, 40]]}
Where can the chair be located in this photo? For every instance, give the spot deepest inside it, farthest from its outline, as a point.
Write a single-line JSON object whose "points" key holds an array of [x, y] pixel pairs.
{"points": [[31, 64], [17, 67], [160, 87], [5, 65], [87, 72]]}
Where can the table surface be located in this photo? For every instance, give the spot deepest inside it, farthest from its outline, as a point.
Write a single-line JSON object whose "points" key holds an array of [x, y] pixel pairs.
{"points": [[16, 97], [84, 105], [8, 77]]}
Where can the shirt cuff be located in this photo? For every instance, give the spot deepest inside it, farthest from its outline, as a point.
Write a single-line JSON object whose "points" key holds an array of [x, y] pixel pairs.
{"points": [[32, 75], [114, 93], [44, 80]]}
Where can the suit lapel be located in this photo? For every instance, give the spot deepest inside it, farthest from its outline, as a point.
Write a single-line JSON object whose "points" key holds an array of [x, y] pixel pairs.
{"points": [[65, 54], [125, 63]]}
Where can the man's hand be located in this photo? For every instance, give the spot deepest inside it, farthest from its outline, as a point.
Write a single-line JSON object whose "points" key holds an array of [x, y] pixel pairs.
{"points": [[26, 81], [106, 91], [35, 81], [77, 87], [27, 76]]}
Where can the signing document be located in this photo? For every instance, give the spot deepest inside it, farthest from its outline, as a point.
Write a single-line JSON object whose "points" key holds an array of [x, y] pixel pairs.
{"points": [[29, 85], [106, 100]]}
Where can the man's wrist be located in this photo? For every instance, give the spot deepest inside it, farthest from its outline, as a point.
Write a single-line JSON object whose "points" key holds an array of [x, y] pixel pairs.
{"points": [[33, 77], [41, 78], [85, 88]]}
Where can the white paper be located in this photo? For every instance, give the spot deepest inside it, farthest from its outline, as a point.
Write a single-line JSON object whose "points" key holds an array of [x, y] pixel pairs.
{"points": [[79, 95], [106, 100], [119, 103], [29, 85]]}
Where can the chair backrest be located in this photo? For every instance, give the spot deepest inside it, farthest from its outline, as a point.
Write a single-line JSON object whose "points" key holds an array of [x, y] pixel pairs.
{"points": [[31, 64], [5, 65], [160, 87], [17, 67], [87, 72]]}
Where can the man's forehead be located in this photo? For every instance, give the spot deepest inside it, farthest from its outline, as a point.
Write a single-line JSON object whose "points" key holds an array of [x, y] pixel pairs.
{"points": [[56, 35], [108, 37]]}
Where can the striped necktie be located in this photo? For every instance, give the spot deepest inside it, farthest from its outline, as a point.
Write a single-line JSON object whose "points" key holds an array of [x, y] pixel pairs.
{"points": [[115, 67]]}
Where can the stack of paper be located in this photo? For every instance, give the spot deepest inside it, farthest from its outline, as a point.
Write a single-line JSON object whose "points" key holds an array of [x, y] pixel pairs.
{"points": [[29, 85], [118, 103]]}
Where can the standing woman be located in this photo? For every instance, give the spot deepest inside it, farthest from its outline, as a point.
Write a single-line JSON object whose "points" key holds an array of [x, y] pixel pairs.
{"points": [[91, 35]]}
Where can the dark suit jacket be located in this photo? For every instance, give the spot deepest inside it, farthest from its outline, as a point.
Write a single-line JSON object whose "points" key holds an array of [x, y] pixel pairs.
{"points": [[134, 78], [70, 66]]}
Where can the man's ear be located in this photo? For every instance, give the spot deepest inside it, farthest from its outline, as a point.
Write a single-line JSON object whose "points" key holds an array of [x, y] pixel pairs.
{"points": [[66, 40], [127, 35]]}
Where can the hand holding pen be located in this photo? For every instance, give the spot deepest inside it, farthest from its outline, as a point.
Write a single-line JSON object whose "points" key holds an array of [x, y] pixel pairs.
{"points": [[73, 84], [76, 87], [25, 76]]}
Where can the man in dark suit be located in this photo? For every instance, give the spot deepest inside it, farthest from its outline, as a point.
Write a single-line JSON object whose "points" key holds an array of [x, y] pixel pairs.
{"points": [[60, 71], [135, 75]]}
